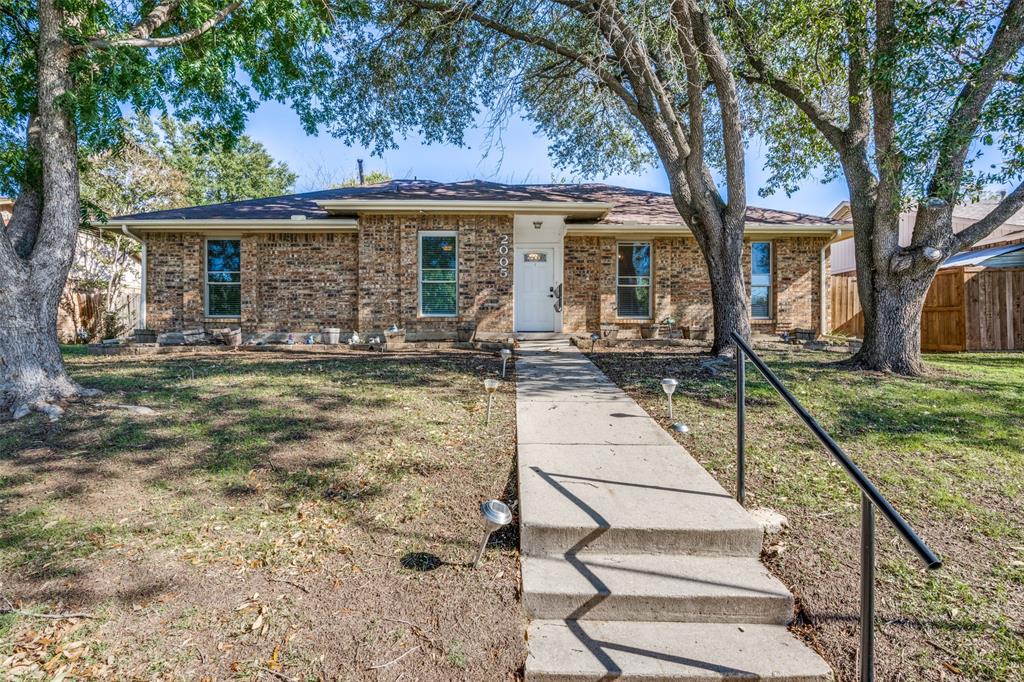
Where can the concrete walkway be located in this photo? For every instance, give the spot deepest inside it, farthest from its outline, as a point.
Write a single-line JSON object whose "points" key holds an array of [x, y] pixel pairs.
{"points": [[636, 563]]}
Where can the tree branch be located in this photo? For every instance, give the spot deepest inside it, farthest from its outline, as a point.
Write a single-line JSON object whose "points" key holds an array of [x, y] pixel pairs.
{"points": [[27, 214], [888, 159], [467, 11], [1010, 204], [138, 35], [154, 20], [963, 119], [729, 108], [763, 75]]}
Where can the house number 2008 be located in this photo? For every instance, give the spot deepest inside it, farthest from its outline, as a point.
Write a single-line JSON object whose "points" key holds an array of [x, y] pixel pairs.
{"points": [[503, 255]]}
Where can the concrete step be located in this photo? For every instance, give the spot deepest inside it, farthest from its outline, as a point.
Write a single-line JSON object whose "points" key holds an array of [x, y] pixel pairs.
{"points": [[627, 499], [654, 588], [573, 651]]}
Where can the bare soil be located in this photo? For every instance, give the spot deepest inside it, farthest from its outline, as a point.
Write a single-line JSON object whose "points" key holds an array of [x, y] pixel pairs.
{"points": [[282, 516]]}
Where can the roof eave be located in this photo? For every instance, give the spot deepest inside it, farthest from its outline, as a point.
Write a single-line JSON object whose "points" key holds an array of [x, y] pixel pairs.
{"points": [[577, 209], [233, 225], [675, 229]]}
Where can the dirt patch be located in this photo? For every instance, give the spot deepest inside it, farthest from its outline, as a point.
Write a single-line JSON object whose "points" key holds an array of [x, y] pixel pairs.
{"points": [[279, 517], [947, 449]]}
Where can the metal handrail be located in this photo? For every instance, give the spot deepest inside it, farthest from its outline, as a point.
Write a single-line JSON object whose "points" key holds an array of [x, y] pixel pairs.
{"points": [[870, 496]]}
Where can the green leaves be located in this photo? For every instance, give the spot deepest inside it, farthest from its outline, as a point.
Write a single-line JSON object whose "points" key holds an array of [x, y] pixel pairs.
{"points": [[266, 49], [937, 49]]}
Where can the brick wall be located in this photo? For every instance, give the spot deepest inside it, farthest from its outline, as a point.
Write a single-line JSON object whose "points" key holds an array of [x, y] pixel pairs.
{"points": [[299, 282], [798, 282], [389, 273], [290, 282], [681, 286], [174, 280]]}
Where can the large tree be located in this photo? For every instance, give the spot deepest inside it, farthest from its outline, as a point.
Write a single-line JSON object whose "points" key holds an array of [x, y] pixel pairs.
{"points": [[901, 98], [615, 84], [67, 67], [164, 163], [219, 171]]}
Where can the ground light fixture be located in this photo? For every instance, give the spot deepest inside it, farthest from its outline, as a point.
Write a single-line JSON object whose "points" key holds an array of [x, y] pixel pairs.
{"points": [[669, 386], [680, 427], [496, 514], [491, 386], [593, 340], [505, 354]]}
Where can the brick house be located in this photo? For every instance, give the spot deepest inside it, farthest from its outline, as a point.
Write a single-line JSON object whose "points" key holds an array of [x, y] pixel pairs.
{"points": [[436, 258]]}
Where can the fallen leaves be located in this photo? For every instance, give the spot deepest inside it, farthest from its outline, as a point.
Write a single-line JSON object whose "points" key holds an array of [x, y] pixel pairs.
{"points": [[53, 654]]}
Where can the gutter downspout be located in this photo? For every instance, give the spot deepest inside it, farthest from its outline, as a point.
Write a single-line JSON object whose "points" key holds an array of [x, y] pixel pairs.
{"points": [[141, 323], [823, 286]]}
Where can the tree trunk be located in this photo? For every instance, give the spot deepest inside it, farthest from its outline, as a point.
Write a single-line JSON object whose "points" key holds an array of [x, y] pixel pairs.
{"points": [[892, 333], [724, 258], [32, 372]]}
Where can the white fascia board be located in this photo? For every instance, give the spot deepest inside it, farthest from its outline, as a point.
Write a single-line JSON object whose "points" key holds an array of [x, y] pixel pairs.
{"points": [[577, 209]]}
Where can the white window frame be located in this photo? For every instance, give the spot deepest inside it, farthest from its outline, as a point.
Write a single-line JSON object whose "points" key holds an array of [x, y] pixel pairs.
{"points": [[650, 282], [419, 270], [771, 280], [206, 275]]}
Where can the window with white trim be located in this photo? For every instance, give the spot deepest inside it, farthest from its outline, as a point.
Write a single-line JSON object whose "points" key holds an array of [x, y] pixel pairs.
{"points": [[633, 280], [439, 274], [761, 280], [223, 277]]}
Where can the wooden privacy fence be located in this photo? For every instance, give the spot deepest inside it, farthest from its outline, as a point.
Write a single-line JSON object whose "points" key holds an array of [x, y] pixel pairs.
{"points": [[967, 308], [83, 311], [847, 315]]}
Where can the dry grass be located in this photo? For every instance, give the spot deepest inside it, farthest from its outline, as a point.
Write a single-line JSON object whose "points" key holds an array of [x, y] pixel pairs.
{"points": [[947, 449], [282, 516]]}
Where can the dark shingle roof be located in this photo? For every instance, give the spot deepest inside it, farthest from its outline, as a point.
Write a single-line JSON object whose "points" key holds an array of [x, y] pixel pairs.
{"points": [[632, 206]]}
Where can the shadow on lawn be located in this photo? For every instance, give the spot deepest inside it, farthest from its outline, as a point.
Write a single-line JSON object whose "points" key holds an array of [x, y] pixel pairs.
{"points": [[868, 405], [213, 428]]}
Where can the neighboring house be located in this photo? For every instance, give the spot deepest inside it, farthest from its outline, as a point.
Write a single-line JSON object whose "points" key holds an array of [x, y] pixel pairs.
{"points": [[83, 301], [976, 301], [6, 208], [964, 215], [435, 259]]}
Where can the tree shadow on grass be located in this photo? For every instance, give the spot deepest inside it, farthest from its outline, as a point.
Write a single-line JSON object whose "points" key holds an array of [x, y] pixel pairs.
{"points": [[210, 435]]}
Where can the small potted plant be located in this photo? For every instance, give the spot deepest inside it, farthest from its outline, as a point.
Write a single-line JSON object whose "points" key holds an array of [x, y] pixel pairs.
{"points": [[696, 333], [231, 337], [394, 335], [650, 330], [609, 331]]}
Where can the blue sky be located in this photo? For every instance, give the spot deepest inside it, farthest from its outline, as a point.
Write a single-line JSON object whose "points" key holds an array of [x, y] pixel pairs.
{"points": [[523, 159]]}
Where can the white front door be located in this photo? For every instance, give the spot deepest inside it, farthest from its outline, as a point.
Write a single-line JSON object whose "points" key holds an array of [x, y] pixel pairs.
{"points": [[534, 284]]}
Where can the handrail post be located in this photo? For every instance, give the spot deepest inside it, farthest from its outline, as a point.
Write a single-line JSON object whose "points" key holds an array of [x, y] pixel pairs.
{"points": [[867, 589], [741, 426]]}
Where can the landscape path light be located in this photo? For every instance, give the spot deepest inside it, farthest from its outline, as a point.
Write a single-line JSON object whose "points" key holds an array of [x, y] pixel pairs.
{"points": [[669, 386], [491, 386], [680, 427], [505, 354], [496, 515], [593, 340]]}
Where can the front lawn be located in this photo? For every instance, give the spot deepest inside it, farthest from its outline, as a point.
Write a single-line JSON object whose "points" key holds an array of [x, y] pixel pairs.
{"points": [[948, 451], [281, 516]]}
